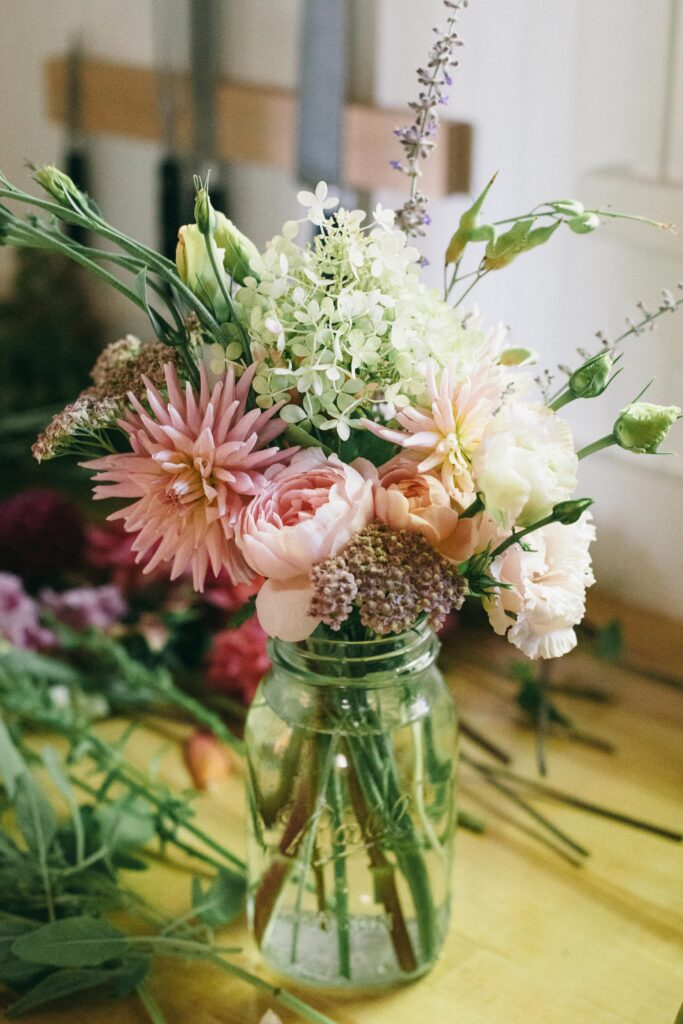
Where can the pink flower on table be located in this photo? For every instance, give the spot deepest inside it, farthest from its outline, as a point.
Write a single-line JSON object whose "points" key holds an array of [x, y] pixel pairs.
{"points": [[196, 461], [19, 621], [238, 660], [445, 436], [307, 513], [548, 589], [86, 607]]}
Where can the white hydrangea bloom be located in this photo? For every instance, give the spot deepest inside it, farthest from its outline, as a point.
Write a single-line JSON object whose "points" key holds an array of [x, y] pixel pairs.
{"points": [[345, 322]]}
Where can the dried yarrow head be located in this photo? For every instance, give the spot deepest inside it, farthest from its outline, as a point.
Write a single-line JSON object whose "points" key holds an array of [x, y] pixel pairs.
{"points": [[118, 371], [392, 577], [76, 428], [120, 367]]}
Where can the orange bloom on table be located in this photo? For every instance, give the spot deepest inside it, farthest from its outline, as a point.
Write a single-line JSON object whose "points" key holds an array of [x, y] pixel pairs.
{"points": [[196, 461]]}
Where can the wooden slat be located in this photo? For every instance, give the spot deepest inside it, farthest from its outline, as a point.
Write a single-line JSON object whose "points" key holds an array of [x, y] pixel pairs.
{"points": [[256, 124]]}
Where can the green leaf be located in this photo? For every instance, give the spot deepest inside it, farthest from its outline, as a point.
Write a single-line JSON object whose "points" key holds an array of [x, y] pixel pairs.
{"points": [[222, 901], [11, 930], [608, 642], [53, 764], [47, 669], [12, 764], [125, 976], [126, 824], [73, 942], [18, 974], [35, 817], [239, 617]]}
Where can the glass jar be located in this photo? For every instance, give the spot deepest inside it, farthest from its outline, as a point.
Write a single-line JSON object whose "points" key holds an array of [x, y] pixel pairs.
{"points": [[351, 750]]}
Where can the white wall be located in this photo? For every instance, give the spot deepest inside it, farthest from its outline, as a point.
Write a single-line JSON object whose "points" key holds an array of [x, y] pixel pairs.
{"points": [[555, 92]]}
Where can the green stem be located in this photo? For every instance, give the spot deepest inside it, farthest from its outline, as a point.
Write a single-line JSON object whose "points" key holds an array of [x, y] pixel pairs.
{"points": [[517, 537], [292, 1002], [341, 885], [596, 446], [150, 1004], [304, 860], [562, 399]]}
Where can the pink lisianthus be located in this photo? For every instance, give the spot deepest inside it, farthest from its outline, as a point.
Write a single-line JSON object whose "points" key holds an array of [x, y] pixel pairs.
{"points": [[238, 660], [196, 461], [547, 595], [307, 513]]}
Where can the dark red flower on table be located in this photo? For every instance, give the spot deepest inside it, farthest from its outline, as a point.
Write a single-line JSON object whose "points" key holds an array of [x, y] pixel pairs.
{"points": [[109, 549], [238, 660], [41, 536]]}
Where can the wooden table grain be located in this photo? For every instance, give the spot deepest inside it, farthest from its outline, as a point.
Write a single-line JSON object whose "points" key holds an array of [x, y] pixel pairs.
{"points": [[533, 939]]}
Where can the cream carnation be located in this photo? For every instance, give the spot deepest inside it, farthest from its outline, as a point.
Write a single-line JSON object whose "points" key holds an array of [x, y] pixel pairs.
{"points": [[548, 589], [525, 464], [306, 513]]}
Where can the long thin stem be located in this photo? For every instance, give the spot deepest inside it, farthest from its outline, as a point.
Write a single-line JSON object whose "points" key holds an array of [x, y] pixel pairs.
{"points": [[292, 1002], [150, 1004], [585, 805], [341, 885], [531, 811]]}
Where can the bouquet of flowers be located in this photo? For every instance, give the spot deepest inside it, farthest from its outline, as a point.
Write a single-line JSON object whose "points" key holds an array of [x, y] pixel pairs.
{"points": [[316, 420]]}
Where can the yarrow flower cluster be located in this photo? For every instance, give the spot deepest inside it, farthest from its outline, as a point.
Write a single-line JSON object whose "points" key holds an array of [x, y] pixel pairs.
{"points": [[392, 576]]}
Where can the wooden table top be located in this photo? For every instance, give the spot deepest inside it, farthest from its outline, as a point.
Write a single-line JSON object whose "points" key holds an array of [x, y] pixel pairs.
{"points": [[533, 940]]}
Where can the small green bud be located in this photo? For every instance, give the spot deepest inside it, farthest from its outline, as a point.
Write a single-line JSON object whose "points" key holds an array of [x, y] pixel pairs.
{"points": [[570, 207], [591, 379], [238, 248], [584, 224], [469, 223], [57, 184], [204, 213], [518, 357], [521, 237], [568, 512], [641, 427]]}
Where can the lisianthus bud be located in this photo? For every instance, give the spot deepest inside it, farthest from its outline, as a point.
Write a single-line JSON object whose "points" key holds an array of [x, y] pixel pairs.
{"points": [[568, 512], [239, 249], [571, 207], [591, 379], [194, 268], [204, 213], [57, 183], [584, 223], [641, 427]]}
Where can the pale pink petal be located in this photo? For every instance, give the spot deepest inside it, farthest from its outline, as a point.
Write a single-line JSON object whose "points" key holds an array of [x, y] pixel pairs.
{"points": [[282, 608]]}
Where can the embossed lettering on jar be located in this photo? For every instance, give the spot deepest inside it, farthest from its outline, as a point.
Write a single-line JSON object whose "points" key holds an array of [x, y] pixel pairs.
{"points": [[351, 755]]}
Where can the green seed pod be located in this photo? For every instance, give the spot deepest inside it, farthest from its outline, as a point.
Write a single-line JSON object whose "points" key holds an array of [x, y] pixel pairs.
{"points": [[469, 222], [642, 426]]}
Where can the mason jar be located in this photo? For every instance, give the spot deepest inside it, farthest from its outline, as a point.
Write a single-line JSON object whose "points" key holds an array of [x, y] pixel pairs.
{"points": [[351, 750]]}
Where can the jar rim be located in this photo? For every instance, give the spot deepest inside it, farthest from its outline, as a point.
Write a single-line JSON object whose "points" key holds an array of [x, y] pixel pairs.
{"points": [[403, 652]]}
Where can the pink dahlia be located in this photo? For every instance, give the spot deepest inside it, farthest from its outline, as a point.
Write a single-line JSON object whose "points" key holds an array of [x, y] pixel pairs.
{"points": [[445, 436], [196, 461]]}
